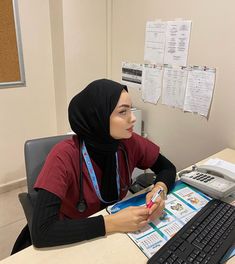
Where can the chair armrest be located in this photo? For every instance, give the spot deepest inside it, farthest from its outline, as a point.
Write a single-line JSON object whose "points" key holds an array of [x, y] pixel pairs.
{"points": [[27, 205]]}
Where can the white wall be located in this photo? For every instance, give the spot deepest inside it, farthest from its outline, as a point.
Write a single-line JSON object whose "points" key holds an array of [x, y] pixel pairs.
{"points": [[183, 137], [65, 46], [85, 42], [57, 39], [80, 39], [29, 111]]}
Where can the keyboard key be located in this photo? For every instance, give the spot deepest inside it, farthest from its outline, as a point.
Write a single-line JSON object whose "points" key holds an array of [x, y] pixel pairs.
{"points": [[190, 260], [202, 254], [198, 245], [207, 248], [193, 255], [199, 259], [196, 252], [166, 254], [179, 261], [170, 260], [191, 238], [182, 248]]}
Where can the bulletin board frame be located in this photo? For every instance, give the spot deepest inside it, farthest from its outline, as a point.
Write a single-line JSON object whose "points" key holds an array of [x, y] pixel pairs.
{"points": [[12, 73]]}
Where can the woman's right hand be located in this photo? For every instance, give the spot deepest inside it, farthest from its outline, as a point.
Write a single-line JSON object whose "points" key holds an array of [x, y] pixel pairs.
{"points": [[129, 219]]}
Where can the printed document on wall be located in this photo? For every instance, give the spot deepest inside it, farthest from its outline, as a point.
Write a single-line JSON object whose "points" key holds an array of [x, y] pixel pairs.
{"points": [[199, 90], [151, 83], [155, 35], [174, 85], [132, 74], [177, 42]]}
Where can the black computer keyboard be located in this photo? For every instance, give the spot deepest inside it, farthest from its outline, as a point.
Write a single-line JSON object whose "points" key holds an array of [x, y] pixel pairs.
{"points": [[204, 239]]}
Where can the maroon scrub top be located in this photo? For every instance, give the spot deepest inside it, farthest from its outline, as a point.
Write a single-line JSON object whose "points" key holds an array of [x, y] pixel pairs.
{"points": [[61, 171]]}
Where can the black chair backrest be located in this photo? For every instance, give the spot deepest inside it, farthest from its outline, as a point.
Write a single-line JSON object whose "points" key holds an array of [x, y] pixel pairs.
{"points": [[35, 152]]}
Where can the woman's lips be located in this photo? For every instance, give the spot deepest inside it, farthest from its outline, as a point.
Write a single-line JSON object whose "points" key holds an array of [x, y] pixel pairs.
{"points": [[130, 129]]}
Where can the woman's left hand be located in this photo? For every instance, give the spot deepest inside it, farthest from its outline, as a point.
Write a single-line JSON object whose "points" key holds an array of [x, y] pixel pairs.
{"points": [[156, 209]]}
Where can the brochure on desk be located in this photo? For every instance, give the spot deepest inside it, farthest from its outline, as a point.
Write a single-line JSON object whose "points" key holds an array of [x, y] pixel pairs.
{"points": [[181, 205]]}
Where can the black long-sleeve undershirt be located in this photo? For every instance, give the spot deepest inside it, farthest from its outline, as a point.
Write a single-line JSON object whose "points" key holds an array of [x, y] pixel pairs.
{"points": [[165, 171], [48, 230]]}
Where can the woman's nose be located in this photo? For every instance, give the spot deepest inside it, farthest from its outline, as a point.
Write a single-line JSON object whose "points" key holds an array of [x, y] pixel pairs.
{"points": [[133, 118]]}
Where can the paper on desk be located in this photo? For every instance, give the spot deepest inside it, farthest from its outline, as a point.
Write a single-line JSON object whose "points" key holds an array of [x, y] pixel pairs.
{"points": [[221, 163], [181, 205]]}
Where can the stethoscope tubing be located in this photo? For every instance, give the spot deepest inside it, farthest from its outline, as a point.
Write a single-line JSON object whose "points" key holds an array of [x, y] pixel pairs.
{"points": [[82, 205]]}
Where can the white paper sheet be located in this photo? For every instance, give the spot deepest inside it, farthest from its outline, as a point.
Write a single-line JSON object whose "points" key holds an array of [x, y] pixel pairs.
{"points": [[174, 85], [155, 35], [199, 90], [151, 83], [132, 74], [177, 42]]}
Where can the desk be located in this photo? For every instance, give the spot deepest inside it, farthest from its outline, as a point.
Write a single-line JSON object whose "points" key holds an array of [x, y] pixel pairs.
{"points": [[116, 248]]}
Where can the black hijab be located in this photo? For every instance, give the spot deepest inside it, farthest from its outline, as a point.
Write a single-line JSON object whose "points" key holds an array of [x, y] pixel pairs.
{"points": [[89, 117]]}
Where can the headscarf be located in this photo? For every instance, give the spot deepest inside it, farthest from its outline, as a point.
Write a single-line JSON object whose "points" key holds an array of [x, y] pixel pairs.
{"points": [[89, 117]]}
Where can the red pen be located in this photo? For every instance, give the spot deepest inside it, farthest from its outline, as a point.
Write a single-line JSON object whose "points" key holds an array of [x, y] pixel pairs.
{"points": [[154, 198]]}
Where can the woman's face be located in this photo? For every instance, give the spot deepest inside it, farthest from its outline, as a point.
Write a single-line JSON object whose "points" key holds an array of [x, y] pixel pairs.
{"points": [[122, 118]]}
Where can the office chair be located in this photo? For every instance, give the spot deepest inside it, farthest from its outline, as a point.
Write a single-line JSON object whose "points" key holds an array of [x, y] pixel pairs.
{"points": [[35, 152]]}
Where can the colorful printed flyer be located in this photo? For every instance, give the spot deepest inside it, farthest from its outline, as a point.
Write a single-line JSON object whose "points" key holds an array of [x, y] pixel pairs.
{"points": [[181, 205]]}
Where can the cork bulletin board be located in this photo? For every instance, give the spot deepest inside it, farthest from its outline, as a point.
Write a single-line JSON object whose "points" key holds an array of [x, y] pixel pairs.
{"points": [[11, 57]]}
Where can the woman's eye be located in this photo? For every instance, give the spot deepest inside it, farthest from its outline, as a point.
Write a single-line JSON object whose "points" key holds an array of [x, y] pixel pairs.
{"points": [[123, 112]]}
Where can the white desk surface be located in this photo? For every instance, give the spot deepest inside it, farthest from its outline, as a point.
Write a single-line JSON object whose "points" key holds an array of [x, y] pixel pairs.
{"points": [[116, 248]]}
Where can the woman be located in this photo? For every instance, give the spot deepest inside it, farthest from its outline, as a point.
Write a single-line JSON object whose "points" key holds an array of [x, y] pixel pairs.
{"points": [[92, 170]]}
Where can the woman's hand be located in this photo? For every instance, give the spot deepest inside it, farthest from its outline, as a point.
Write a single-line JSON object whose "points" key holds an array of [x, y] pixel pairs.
{"points": [[156, 209], [129, 219]]}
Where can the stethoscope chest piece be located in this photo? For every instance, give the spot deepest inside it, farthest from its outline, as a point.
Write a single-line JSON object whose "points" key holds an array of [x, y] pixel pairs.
{"points": [[82, 206]]}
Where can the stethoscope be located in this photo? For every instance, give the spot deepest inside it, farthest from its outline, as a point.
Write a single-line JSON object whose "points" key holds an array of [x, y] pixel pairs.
{"points": [[82, 204]]}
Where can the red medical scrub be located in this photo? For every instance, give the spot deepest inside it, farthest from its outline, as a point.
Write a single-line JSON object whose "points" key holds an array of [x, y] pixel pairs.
{"points": [[61, 171]]}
